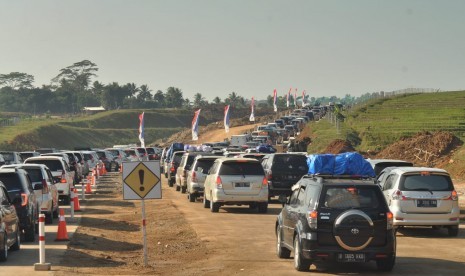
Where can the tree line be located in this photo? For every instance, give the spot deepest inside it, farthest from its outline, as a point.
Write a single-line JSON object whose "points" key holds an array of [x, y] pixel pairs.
{"points": [[76, 87]]}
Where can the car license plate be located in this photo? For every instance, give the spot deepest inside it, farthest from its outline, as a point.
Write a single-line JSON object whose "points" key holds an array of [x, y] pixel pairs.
{"points": [[351, 257], [242, 185], [427, 203]]}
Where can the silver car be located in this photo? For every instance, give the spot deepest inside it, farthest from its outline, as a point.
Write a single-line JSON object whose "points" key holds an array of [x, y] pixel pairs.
{"points": [[197, 175], [419, 196], [236, 181]]}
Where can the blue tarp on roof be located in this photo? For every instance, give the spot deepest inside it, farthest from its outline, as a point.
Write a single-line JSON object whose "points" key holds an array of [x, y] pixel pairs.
{"points": [[349, 163]]}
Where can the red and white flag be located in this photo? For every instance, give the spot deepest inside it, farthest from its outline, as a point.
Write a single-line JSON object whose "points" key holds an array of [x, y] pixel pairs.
{"points": [[295, 98], [226, 118], [287, 97], [252, 108], [303, 98], [275, 100], [195, 126]]}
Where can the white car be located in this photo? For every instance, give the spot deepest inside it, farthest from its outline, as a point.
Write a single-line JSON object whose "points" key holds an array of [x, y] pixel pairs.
{"points": [[197, 174], [47, 195], [91, 158], [61, 174], [419, 196], [236, 181]]}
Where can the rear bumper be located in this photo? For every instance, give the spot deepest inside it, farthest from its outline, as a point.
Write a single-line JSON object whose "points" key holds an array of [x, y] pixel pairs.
{"points": [[220, 196], [284, 188], [313, 251], [409, 219], [195, 188]]}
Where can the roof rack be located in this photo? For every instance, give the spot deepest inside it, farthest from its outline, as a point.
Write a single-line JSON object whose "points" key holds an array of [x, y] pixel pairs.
{"points": [[337, 176]]}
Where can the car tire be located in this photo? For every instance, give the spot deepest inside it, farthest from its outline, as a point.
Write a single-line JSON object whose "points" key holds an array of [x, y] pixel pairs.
{"points": [[178, 188], [30, 233], [192, 197], [282, 252], [453, 230], [170, 183], [55, 213], [387, 264], [17, 245], [49, 218], [206, 202], [300, 263], [183, 190], [263, 207], [214, 207], [4, 250], [253, 205]]}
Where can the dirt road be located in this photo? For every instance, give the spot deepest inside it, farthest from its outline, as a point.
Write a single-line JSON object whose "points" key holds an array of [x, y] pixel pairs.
{"points": [[218, 135]]}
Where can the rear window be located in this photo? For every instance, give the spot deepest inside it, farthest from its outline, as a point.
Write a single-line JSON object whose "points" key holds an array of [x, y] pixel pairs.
{"points": [[34, 174], [426, 182], [11, 181], [150, 150], [190, 160], [130, 152], [140, 150], [290, 163], [53, 165], [241, 168], [88, 156], [350, 197], [8, 156], [177, 158], [114, 152], [204, 165]]}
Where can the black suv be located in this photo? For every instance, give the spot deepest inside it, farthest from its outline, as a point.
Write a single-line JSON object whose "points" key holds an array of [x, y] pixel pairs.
{"points": [[336, 218], [282, 170], [19, 187]]}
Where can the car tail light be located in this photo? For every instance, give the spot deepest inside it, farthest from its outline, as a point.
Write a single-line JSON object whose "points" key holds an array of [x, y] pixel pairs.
{"points": [[172, 168], [390, 220], [269, 176], [397, 195], [63, 177], [24, 199], [312, 219], [219, 183], [194, 176], [453, 196], [44, 187], [264, 182]]}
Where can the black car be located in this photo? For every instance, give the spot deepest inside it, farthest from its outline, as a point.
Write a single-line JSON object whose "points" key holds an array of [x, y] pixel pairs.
{"points": [[20, 191], [336, 218], [283, 170], [10, 233]]}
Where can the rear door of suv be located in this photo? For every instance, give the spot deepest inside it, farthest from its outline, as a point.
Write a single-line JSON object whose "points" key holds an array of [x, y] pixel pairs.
{"points": [[241, 177], [345, 209]]}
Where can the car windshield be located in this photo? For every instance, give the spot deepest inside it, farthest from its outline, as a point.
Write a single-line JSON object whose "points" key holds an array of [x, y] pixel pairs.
{"points": [[11, 181], [53, 165], [350, 197], [204, 165], [150, 150], [241, 168], [426, 182]]}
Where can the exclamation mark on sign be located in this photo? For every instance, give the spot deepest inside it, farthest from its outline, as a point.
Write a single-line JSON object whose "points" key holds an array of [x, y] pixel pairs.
{"points": [[141, 179]]}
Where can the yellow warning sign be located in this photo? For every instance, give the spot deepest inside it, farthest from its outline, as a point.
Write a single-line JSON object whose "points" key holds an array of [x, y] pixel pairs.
{"points": [[141, 180]]}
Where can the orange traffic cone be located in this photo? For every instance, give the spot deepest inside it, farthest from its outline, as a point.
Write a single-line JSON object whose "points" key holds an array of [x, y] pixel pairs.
{"points": [[121, 168], [77, 207], [62, 233], [88, 189]]}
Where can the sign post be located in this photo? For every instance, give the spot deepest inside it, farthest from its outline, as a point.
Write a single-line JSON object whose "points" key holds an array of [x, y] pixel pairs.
{"points": [[141, 180]]}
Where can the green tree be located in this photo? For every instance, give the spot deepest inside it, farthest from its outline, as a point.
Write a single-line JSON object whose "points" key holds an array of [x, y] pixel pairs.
{"points": [[16, 80], [79, 74], [199, 100], [159, 98], [217, 100], [174, 97]]}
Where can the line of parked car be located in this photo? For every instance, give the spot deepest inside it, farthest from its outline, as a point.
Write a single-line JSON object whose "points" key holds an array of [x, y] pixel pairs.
{"points": [[34, 182], [351, 217]]}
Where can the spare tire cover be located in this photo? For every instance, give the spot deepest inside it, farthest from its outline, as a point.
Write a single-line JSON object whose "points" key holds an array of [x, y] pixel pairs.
{"points": [[353, 230]]}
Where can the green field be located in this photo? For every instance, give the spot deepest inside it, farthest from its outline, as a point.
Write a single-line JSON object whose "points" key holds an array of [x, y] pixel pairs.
{"points": [[379, 122]]}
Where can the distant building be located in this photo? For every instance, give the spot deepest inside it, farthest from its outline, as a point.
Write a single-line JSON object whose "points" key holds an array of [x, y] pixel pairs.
{"points": [[93, 109]]}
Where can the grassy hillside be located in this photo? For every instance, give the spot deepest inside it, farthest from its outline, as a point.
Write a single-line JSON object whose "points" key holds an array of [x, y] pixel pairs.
{"points": [[106, 128], [378, 123]]}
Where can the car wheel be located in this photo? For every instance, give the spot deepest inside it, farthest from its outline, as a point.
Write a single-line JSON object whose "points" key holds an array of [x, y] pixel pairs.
{"points": [[453, 230], [386, 264], [4, 249], [281, 251], [262, 207], [214, 207], [17, 245], [300, 264], [192, 197], [55, 213], [49, 218], [29, 233], [253, 205], [183, 190], [206, 202], [178, 188]]}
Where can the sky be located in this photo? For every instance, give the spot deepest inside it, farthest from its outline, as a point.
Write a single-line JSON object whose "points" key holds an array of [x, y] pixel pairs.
{"points": [[251, 47]]}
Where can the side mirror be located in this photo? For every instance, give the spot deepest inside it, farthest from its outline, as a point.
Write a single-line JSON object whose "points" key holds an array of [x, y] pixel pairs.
{"points": [[38, 186]]}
